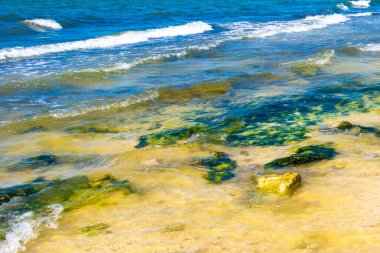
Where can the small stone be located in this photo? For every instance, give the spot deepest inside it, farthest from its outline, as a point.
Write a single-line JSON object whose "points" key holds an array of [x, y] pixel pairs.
{"points": [[100, 228], [278, 184], [174, 228], [344, 125]]}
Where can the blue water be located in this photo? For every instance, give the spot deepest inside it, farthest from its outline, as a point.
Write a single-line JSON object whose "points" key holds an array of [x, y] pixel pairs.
{"points": [[274, 68], [231, 22]]}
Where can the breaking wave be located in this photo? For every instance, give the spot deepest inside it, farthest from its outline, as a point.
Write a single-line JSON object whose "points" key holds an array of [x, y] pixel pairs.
{"points": [[26, 227], [42, 24], [361, 4], [124, 38], [371, 48]]}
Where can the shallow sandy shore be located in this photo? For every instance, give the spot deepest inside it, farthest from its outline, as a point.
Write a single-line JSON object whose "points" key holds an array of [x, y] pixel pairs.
{"points": [[336, 210]]}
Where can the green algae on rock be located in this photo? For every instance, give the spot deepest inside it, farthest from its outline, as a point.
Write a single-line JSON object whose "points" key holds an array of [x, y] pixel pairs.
{"points": [[93, 129], [100, 228], [36, 162], [278, 184], [220, 167], [168, 137], [348, 126], [303, 155]]}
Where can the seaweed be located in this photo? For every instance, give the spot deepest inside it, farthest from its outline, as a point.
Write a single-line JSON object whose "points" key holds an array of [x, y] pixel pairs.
{"points": [[100, 228], [303, 155], [168, 137], [36, 162], [220, 167]]}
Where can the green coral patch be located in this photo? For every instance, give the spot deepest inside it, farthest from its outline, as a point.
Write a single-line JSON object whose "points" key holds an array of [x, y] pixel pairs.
{"points": [[220, 167], [303, 155], [168, 137]]}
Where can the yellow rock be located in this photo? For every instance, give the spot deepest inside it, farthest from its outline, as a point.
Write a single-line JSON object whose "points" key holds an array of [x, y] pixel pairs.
{"points": [[279, 184]]}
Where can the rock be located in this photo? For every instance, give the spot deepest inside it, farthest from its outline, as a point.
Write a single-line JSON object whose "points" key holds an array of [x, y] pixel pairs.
{"points": [[303, 155], [35, 162], [174, 228], [279, 184], [34, 129], [93, 129], [168, 137], [100, 228], [220, 167], [344, 125]]}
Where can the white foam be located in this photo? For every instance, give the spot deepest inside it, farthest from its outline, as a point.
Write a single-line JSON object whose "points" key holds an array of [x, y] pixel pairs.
{"points": [[144, 97], [42, 24], [155, 58], [361, 4], [26, 227], [371, 48], [254, 30], [363, 14], [124, 38], [342, 6]]}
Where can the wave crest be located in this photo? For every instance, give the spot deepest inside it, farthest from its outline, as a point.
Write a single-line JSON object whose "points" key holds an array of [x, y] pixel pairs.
{"points": [[42, 24], [130, 37]]}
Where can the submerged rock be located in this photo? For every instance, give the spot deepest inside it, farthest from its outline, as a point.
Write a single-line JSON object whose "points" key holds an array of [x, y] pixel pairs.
{"points": [[220, 167], [93, 129], [303, 155], [34, 129], [358, 129], [100, 228], [344, 125], [35, 162], [168, 137], [279, 184]]}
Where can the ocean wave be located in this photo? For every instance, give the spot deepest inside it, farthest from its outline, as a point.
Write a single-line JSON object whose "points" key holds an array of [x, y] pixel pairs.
{"points": [[132, 100], [254, 30], [130, 37], [363, 14], [371, 48], [42, 24], [153, 59], [26, 227], [361, 4], [342, 6]]}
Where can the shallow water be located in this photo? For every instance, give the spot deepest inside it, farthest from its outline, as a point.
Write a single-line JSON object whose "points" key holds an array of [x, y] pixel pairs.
{"points": [[144, 90]]}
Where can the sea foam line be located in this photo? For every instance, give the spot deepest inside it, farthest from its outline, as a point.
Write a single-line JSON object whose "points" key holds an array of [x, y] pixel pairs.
{"points": [[135, 99], [255, 30], [130, 37], [42, 24]]}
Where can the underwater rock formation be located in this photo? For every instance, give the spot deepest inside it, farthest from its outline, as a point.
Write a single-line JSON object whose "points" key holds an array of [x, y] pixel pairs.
{"points": [[303, 155], [220, 167], [278, 184], [35, 162], [168, 137]]}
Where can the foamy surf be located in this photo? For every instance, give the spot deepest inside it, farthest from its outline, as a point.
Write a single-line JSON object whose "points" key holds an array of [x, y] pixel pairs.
{"points": [[363, 14], [361, 4], [26, 227], [254, 30], [42, 24], [130, 37], [371, 48], [342, 6], [132, 100]]}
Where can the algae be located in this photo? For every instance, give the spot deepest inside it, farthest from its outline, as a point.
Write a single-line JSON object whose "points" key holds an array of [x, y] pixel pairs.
{"points": [[220, 167], [303, 155], [168, 137], [100, 228]]}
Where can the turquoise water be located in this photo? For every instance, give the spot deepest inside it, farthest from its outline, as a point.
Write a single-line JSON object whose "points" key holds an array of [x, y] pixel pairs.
{"points": [[247, 73]]}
